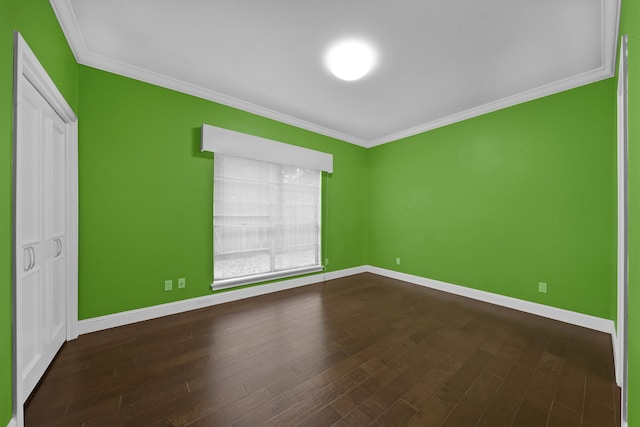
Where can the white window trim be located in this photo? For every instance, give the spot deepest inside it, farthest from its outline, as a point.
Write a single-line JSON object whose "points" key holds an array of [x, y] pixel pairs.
{"points": [[258, 278]]}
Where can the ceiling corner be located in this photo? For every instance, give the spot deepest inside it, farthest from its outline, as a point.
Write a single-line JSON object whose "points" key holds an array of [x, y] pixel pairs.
{"points": [[67, 20]]}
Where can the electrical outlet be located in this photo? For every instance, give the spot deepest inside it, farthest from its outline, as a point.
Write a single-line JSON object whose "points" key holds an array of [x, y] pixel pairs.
{"points": [[326, 261], [542, 287], [398, 261], [182, 283], [168, 285]]}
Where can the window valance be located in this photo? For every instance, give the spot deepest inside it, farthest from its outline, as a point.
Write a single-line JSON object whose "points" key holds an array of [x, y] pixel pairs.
{"points": [[232, 143]]}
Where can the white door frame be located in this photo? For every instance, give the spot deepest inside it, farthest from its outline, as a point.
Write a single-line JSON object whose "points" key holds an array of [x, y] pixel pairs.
{"points": [[29, 71], [622, 282]]}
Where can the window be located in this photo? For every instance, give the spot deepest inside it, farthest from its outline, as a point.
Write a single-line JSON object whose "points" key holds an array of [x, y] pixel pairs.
{"points": [[267, 207], [266, 220]]}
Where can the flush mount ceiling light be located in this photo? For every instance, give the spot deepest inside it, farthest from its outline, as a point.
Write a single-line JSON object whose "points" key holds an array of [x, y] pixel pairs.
{"points": [[350, 59]]}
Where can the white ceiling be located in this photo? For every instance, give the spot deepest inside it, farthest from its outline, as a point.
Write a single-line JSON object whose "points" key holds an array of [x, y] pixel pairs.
{"points": [[440, 61]]}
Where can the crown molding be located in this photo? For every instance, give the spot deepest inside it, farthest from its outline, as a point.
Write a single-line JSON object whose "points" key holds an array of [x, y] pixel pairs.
{"points": [[609, 40], [71, 30], [609, 36], [530, 95], [144, 75]]}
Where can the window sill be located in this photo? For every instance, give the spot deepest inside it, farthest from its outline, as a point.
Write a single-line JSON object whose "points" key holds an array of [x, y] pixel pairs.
{"points": [[257, 278]]}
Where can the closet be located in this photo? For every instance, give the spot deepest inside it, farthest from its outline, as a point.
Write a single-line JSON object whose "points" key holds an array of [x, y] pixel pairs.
{"points": [[45, 223]]}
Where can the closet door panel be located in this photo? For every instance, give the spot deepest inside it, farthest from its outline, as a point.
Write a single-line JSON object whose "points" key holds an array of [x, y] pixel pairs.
{"points": [[56, 223], [57, 299], [31, 322], [31, 288], [58, 178], [29, 169]]}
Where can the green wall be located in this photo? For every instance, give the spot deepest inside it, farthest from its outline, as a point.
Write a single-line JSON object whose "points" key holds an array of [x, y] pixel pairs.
{"points": [[630, 25], [35, 20], [506, 200], [146, 192]]}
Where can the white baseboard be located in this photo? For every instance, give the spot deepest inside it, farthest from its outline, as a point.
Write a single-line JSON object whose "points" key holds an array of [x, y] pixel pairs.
{"points": [[584, 320], [346, 272], [147, 313], [616, 356], [132, 316], [12, 423]]}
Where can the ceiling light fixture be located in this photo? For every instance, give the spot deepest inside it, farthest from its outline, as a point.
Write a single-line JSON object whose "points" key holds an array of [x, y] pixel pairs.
{"points": [[350, 59]]}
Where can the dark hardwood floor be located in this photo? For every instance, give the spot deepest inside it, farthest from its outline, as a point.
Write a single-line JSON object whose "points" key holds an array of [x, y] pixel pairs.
{"points": [[357, 351]]}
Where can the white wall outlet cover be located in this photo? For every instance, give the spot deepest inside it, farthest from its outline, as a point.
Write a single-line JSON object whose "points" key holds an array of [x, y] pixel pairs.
{"points": [[182, 282], [542, 287], [168, 285]]}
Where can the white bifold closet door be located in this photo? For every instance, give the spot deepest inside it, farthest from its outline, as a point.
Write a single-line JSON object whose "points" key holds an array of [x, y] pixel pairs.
{"points": [[40, 237]]}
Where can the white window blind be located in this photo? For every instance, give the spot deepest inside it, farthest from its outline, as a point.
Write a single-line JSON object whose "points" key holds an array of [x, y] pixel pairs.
{"points": [[266, 220], [267, 204]]}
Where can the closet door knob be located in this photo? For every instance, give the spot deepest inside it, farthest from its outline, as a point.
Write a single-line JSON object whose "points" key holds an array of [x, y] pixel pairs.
{"points": [[27, 259], [30, 258], [33, 258]]}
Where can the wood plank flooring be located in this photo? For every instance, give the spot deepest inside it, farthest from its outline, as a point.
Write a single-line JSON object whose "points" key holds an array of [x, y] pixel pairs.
{"points": [[362, 350]]}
